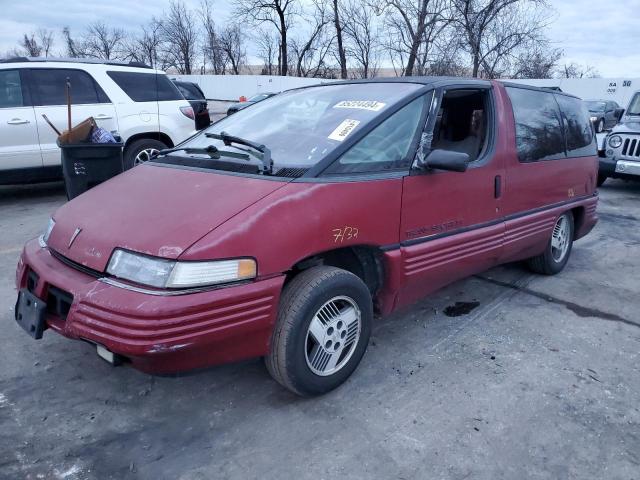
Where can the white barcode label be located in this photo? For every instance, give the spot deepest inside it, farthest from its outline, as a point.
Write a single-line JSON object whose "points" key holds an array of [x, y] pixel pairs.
{"points": [[343, 130], [361, 104]]}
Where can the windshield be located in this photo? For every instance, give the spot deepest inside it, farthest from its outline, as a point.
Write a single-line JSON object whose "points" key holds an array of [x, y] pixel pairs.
{"points": [[301, 127], [634, 105], [190, 92], [595, 106]]}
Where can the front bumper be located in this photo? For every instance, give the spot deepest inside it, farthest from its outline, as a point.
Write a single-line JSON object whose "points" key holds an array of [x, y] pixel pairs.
{"points": [[157, 333], [614, 168]]}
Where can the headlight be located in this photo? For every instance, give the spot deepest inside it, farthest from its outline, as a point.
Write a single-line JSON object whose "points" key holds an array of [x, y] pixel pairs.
{"points": [[615, 141], [593, 119], [47, 233], [161, 273]]}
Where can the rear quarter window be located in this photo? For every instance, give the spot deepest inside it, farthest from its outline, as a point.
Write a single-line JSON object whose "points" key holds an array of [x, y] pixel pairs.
{"points": [[577, 127], [146, 87], [538, 129]]}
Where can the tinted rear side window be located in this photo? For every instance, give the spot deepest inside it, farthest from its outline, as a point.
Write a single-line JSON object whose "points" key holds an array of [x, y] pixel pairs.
{"points": [[146, 87], [50, 87], [577, 127], [538, 130], [10, 89]]}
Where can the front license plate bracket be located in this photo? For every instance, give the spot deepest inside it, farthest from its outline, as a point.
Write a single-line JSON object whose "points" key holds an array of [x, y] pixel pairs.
{"points": [[30, 313]]}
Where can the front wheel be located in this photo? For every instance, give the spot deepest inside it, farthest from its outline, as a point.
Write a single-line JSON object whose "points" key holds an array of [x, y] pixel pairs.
{"points": [[600, 126], [140, 151], [322, 331], [556, 255]]}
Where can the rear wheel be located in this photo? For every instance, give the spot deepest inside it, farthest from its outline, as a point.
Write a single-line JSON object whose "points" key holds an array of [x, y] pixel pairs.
{"points": [[600, 126], [322, 331], [140, 151], [556, 255]]}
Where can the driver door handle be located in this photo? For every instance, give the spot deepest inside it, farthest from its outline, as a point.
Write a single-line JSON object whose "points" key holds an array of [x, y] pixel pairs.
{"points": [[102, 117], [17, 121]]}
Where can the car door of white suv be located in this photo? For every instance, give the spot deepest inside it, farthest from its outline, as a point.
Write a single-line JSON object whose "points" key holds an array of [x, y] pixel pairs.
{"points": [[19, 146], [48, 87]]}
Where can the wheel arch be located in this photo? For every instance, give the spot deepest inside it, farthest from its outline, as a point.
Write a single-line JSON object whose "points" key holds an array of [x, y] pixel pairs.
{"points": [[364, 261], [160, 136]]}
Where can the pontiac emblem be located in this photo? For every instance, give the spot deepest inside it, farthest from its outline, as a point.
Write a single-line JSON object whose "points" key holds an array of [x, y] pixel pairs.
{"points": [[73, 237]]}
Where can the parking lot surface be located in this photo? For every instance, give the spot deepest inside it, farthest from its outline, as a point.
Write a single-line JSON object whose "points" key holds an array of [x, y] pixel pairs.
{"points": [[503, 375]]}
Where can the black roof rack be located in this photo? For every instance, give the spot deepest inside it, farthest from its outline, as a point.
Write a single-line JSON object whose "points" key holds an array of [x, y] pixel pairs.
{"points": [[75, 60]]}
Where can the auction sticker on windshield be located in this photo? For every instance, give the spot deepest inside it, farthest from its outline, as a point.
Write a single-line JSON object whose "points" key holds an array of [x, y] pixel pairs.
{"points": [[372, 105], [343, 130]]}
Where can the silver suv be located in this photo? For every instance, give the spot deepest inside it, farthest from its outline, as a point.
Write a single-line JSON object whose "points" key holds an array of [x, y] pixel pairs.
{"points": [[620, 157], [140, 103]]}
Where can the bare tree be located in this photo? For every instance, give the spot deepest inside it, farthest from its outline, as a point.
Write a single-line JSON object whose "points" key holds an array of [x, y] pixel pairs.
{"points": [[278, 13], [574, 70], [315, 43], [30, 45], [411, 25], [494, 29], [232, 46], [146, 47], [337, 10], [540, 62], [268, 48], [179, 34], [45, 37], [213, 51], [102, 41], [361, 34], [74, 48]]}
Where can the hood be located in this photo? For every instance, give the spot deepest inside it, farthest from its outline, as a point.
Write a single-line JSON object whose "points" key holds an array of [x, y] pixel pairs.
{"points": [[151, 209], [628, 124]]}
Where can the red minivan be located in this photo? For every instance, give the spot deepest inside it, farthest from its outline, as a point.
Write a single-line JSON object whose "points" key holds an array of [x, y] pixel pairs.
{"points": [[280, 230]]}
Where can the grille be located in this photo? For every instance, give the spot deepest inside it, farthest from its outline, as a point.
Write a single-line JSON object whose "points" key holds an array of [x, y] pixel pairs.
{"points": [[59, 302], [631, 147], [32, 281]]}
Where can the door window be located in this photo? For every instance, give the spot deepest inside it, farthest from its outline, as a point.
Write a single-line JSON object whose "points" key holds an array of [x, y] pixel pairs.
{"points": [[461, 124], [10, 89], [538, 130], [386, 147], [50, 87]]}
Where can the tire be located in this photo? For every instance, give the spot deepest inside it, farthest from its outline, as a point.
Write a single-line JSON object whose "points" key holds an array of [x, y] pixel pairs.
{"points": [[556, 254], [601, 179], [600, 126], [134, 153], [332, 300]]}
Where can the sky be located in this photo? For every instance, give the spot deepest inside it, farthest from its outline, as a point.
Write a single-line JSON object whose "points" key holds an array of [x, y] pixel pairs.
{"points": [[601, 33]]}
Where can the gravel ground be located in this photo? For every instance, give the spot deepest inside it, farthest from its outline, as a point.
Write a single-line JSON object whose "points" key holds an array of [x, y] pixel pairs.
{"points": [[529, 377]]}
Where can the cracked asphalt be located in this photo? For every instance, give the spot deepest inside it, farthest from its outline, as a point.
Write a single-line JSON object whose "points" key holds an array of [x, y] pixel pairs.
{"points": [[536, 377]]}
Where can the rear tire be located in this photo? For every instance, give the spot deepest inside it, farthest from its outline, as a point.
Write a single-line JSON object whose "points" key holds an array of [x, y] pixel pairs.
{"points": [[140, 151], [556, 255], [322, 330]]}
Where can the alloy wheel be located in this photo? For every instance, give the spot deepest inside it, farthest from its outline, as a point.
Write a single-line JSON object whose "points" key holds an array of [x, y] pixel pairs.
{"points": [[560, 239], [144, 155], [333, 335]]}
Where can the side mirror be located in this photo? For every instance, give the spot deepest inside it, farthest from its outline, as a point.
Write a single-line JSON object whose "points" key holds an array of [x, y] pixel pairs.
{"points": [[446, 160], [619, 112]]}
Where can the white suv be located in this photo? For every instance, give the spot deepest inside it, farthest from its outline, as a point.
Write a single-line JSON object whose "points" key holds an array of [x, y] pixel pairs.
{"points": [[139, 103]]}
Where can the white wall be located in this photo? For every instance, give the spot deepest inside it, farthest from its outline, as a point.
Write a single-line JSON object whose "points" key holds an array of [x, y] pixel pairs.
{"points": [[231, 87], [617, 89]]}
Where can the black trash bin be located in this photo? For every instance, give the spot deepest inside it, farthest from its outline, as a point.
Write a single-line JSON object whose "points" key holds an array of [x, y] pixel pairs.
{"points": [[85, 165]]}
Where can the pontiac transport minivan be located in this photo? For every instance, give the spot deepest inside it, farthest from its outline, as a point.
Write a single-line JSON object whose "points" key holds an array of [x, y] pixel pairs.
{"points": [[278, 232]]}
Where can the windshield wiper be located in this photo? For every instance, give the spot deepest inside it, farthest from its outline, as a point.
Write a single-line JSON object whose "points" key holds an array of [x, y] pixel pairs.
{"points": [[263, 153], [210, 150]]}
